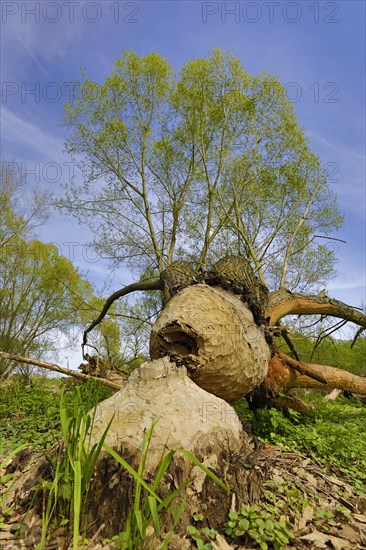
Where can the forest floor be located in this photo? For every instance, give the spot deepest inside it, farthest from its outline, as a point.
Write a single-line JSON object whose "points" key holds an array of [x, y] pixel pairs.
{"points": [[309, 490]]}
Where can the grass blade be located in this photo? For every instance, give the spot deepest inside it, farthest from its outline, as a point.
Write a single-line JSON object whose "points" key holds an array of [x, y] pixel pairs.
{"points": [[77, 502], [154, 514], [131, 471], [163, 466], [195, 461]]}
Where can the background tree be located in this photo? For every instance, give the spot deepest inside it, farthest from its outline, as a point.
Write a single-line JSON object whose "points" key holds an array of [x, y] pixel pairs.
{"points": [[197, 165], [21, 211], [42, 295]]}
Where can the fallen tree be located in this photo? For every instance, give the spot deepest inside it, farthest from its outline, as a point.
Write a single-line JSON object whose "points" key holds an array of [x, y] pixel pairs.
{"points": [[212, 343], [334, 377], [235, 276], [286, 372], [192, 335]]}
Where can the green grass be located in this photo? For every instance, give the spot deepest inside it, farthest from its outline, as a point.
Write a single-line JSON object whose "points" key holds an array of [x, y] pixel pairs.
{"points": [[334, 433], [31, 414]]}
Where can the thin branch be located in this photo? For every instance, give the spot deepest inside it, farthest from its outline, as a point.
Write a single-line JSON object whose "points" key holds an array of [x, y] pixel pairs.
{"points": [[293, 237], [326, 334], [330, 238], [360, 331], [285, 336], [140, 286]]}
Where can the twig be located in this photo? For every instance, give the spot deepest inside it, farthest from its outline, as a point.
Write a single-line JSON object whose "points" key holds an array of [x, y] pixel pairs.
{"points": [[360, 331], [285, 336], [329, 238], [141, 285], [326, 334]]}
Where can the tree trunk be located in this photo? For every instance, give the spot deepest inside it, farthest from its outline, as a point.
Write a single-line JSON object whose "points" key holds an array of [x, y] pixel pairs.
{"points": [[212, 332]]}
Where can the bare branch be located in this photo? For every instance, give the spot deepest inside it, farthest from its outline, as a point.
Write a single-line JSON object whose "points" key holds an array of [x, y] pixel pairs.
{"points": [[326, 334], [140, 286], [293, 237], [285, 336], [329, 238], [56, 368], [358, 333]]}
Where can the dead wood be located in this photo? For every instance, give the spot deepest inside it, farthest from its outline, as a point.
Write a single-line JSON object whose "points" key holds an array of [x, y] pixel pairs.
{"points": [[306, 369], [56, 368], [285, 373], [332, 396], [310, 375]]}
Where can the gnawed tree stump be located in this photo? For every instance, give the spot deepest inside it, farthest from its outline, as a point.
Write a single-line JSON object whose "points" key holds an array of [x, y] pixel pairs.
{"points": [[188, 417], [212, 332]]}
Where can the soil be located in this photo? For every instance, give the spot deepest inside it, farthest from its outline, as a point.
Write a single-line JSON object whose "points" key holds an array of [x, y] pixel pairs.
{"points": [[298, 487]]}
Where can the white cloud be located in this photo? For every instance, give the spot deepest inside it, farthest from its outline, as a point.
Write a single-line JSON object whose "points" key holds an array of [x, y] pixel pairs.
{"points": [[339, 150], [25, 133], [347, 284], [45, 39]]}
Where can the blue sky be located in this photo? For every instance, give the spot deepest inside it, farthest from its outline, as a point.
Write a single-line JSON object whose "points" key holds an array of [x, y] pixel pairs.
{"points": [[315, 48]]}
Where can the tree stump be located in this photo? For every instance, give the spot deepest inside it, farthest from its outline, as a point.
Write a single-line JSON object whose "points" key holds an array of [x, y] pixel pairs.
{"points": [[207, 352], [189, 419]]}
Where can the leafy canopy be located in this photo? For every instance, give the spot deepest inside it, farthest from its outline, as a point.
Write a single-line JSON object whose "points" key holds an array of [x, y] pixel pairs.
{"points": [[196, 164]]}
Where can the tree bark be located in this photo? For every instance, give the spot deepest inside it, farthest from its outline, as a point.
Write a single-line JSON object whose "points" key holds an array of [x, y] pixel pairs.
{"points": [[213, 334], [283, 302], [282, 375]]}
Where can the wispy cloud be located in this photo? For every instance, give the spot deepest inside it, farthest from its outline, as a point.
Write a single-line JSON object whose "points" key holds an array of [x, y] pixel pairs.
{"points": [[339, 150], [32, 55], [25, 133], [347, 284]]}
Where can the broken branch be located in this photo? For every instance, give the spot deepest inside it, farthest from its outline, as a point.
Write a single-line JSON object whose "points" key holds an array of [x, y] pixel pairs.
{"points": [[56, 368], [302, 368], [283, 302]]}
